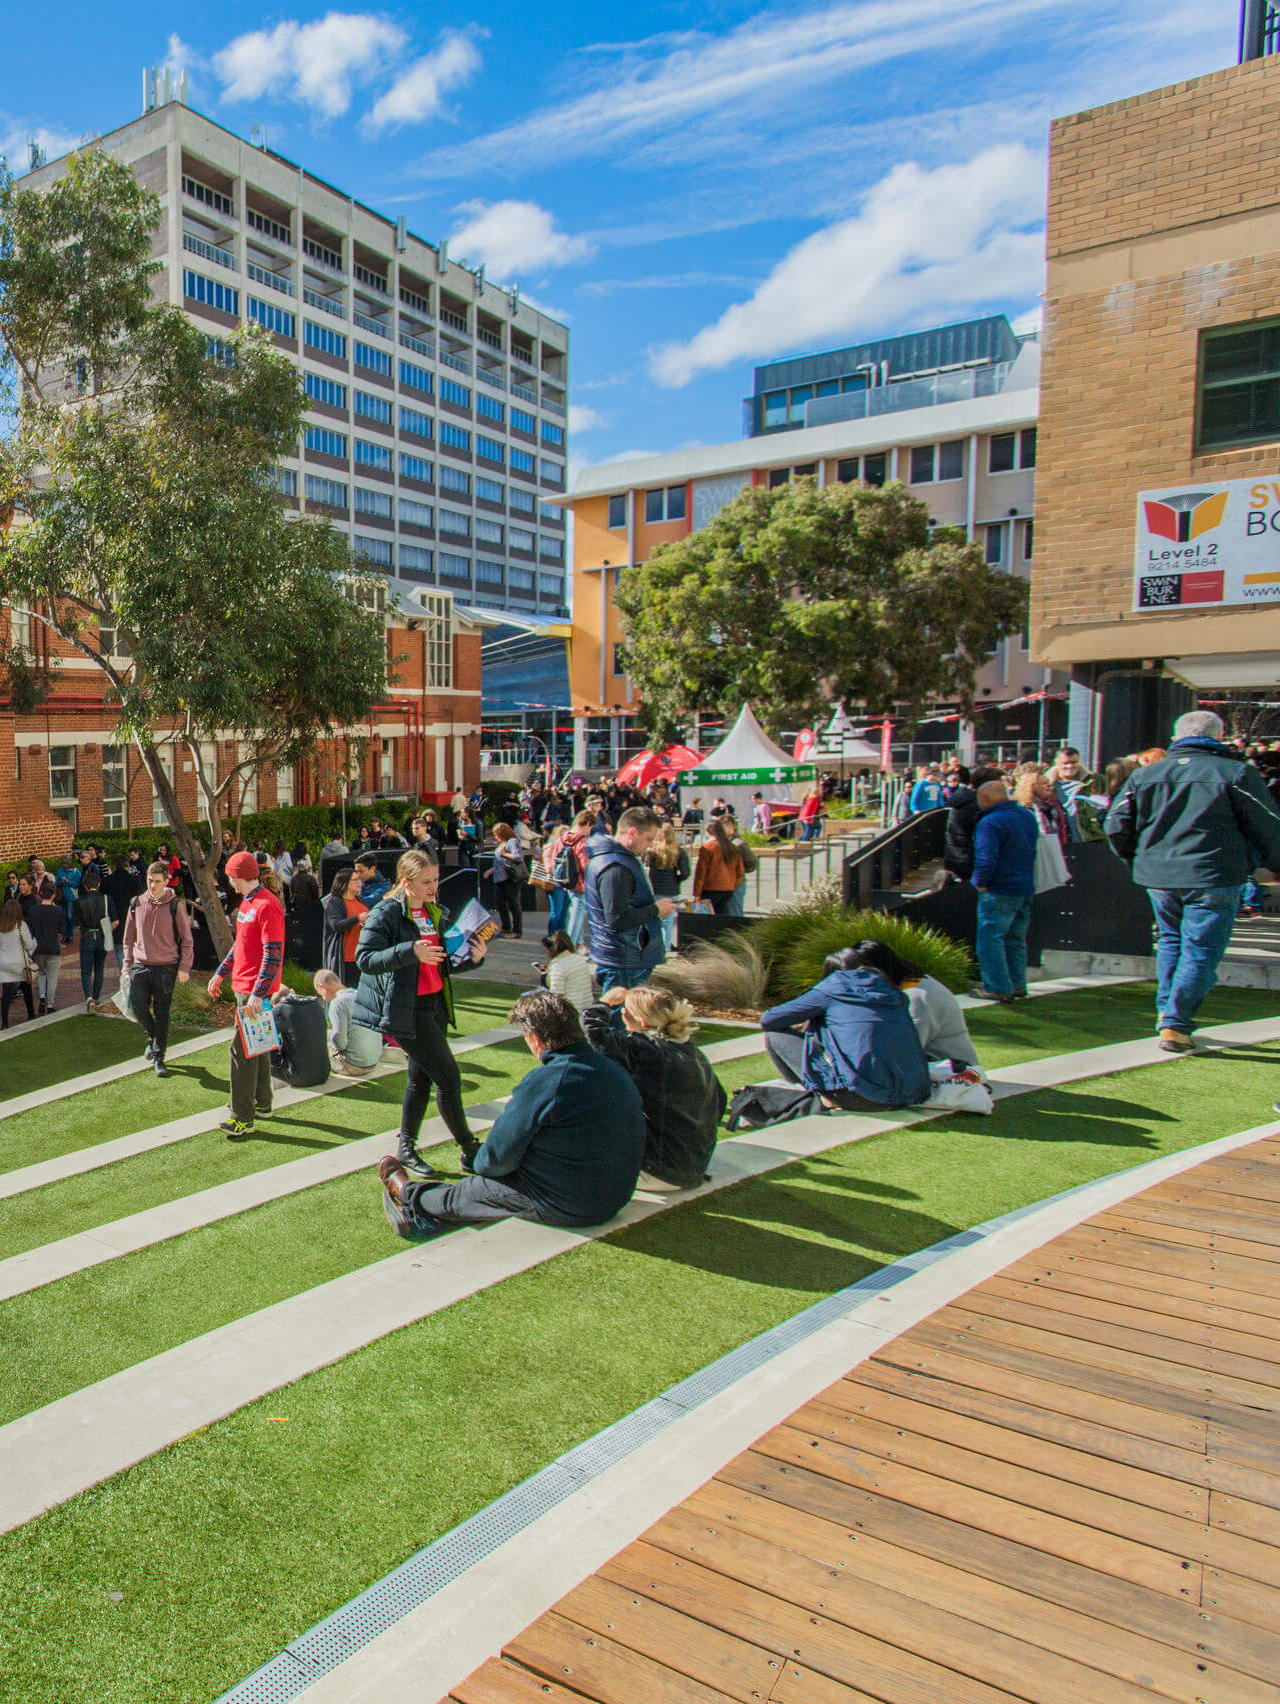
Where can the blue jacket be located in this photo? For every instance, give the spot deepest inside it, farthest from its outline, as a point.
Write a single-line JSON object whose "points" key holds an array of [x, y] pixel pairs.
{"points": [[1200, 818], [926, 796], [571, 1137], [374, 890], [621, 908], [1004, 849], [860, 1038]]}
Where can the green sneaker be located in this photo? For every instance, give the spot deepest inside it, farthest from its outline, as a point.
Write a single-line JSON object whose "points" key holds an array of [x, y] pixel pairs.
{"points": [[236, 1127]]}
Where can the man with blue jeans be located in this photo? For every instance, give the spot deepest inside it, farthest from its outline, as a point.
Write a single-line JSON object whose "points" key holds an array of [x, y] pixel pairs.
{"points": [[1193, 828], [1004, 867]]}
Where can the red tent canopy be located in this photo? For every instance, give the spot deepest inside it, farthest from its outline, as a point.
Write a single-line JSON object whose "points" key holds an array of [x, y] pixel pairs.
{"points": [[650, 766]]}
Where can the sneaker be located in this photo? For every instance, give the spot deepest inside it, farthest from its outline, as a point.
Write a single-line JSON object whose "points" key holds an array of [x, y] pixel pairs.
{"points": [[151, 1050], [990, 994], [1175, 1041], [235, 1127], [263, 1111], [162, 1070]]}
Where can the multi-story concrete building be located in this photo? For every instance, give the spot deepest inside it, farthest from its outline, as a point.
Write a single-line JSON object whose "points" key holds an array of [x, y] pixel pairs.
{"points": [[963, 441], [1156, 570]]}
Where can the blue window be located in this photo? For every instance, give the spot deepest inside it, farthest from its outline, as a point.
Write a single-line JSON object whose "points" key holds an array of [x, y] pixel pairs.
{"points": [[216, 349], [455, 435], [554, 471], [274, 318], [416, 514], [376, 360], [522, 422], [326, 442], [320, 337], [418, 377], [210, 292], [521, 460], [414, 467], [490, 532], [325, 390], [414, 559], [489, 448], [373, 503], [775, 409], [330, 491], [373, 407], [521, 502], [452, 391], [373, 455], [520, 579], [489, 406], [375, 550], [453, 479], [552, 434], [492, 490], [453, 521], [488, 572], [412, 420], [456, 567], [285, 481]]}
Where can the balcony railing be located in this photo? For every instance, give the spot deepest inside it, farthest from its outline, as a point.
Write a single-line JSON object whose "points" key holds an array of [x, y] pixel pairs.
{"points": [[209, 251], [377, 327], [326, 304], [272, 280], [326, 256], [492, 338], [524, 393], [412, 299], [551, 405], [457, 321], [210, 197], [488, 377], [269, 227], [419, 345], [374, 280], [459, 363]]}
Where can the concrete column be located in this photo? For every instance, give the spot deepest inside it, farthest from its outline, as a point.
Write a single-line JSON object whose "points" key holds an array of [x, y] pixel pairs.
{"points": [[579, 742]]}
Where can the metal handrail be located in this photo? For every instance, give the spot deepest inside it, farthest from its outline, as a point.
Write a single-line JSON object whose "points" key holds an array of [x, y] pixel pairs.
{"points": [[883, 863]]}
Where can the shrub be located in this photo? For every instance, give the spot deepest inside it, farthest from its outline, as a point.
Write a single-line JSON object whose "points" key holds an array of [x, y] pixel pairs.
{"points": [[794, 942], [718, 978]]}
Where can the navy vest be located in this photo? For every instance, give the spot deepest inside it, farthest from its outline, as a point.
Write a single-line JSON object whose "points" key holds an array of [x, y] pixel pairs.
{"points": [[639, 948]]}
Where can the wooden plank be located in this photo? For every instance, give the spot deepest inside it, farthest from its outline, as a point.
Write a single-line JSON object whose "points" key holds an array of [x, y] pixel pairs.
{"points": [[1229, 1191], [830, 1523], [1059, 1535], [1244, 1334], [500, 1683], [1168, 1229], [1243, 1599], [983, 1650], [909, 1355], [1255, 1277], [798, 1685], [854, 1654], [844, 1416], [1144, 1286], [1254, 1235], [1247, 1451], [1110, 1371], [600, 1668], [881, 1386], [1204, 1350], [765, 1567], [1246, 1516], [692, 1643]]}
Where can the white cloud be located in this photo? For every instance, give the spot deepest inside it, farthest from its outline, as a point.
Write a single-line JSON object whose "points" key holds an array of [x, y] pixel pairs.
{"points": [[511, 237], [1031, 320], [660, 84], [315, 64], [17, 133], [418, 93], [925, 243], [584, 419], [600, 287]]}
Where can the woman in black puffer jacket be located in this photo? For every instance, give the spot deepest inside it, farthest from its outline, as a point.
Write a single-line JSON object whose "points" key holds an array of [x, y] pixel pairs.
{"points": [[683, 1099]]}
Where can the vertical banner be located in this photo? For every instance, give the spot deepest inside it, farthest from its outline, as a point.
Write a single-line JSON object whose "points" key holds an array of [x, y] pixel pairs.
{"points": [[886, 745]]}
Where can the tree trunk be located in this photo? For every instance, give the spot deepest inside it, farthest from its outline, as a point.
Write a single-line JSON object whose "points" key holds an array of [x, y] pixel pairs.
{"points": [[202, 866]]}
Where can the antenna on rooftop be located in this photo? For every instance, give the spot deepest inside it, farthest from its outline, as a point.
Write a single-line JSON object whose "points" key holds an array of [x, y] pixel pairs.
{"points": [[160, 85], [443, 258], [35, 154], [514, 299], [402, 234], [480, 279]]}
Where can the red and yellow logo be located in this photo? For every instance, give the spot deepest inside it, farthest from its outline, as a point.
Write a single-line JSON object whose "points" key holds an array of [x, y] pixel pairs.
{"points": [[1185, 516]]}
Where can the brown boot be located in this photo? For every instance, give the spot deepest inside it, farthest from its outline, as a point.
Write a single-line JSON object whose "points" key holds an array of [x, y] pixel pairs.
{"points": [[1175, 1041]]}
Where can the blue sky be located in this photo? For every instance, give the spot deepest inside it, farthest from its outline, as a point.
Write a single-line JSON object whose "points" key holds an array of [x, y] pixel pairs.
{"points": [[693, 189]]}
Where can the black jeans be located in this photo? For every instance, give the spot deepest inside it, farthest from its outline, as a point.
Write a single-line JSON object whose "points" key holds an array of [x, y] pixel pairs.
{"points": [[7, 992], [719, 901], [431, 1063], [150, 997], [93, 960], [507, 898]]}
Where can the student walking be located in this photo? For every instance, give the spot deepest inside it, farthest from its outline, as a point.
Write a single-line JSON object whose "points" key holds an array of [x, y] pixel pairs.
{"points": [[46, 928], [253, 964], [405, 992], [17, 944], [158, 953], [91, 910]]}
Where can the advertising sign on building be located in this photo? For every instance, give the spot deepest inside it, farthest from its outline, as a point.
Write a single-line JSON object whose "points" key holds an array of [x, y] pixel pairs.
{"points": [[1203, 546]]}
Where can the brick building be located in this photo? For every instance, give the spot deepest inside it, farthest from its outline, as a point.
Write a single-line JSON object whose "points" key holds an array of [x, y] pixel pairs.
{"points": [[1157, 571], [62, 772]]}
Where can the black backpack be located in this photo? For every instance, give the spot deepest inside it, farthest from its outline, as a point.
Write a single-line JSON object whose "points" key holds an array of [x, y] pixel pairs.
{"points": [[762, 1104], [564, 866]]}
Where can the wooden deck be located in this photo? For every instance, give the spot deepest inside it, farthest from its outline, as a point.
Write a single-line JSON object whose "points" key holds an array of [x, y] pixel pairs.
{"points": [[1064, 1487]]}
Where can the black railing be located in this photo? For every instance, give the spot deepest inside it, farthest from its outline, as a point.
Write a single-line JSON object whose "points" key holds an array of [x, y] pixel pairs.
{"points": [[881, 866], [1259, 29]]}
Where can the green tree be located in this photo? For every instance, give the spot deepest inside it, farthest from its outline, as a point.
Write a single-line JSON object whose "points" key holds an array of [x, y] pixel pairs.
{"points": [[141, 481], [795, 597]]}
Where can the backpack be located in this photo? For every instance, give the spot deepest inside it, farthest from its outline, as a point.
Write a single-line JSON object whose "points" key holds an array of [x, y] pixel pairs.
{"points": [[564, 866], [762, 1104]]}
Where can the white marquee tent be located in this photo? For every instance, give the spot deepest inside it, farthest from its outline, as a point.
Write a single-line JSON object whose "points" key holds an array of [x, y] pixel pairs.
{"points": [[745, 762]]}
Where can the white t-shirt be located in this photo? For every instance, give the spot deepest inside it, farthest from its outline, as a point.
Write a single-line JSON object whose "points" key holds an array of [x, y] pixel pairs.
{"points": [[570, 974]]}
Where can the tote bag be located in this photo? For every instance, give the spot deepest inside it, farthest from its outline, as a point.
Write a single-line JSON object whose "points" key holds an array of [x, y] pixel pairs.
{"points": [[1051, 866]]}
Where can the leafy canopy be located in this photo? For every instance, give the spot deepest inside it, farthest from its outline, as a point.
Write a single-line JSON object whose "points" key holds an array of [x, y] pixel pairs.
{"points": [[797, 596]]}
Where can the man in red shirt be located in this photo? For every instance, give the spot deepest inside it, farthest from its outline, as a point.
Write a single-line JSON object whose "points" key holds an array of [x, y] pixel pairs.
{"points": [[254, 965]]}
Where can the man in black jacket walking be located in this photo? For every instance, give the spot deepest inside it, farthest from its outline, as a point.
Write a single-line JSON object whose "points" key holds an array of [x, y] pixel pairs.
{"points": [[1193, 828]]}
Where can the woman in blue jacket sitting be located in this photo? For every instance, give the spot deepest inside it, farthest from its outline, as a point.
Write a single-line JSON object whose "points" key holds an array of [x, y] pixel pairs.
{"points": [[850, 1038]]}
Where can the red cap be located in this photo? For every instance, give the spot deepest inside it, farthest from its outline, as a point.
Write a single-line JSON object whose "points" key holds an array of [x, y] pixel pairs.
{"points": [[243, 866]]}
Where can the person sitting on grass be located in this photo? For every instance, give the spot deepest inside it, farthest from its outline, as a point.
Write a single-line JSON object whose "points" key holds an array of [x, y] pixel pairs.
{"points": [[565, 1150], [935, 1011], [568, 971], [354, 1050], [302, 1059], [851, 1039], [683, 1099]]}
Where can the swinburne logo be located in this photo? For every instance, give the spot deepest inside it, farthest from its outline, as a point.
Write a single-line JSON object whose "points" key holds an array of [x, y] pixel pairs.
{"points": [[1185, 516]]}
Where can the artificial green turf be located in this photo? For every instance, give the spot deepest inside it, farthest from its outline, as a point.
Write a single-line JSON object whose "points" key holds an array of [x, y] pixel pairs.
{"points": [[50, 1054], [240, 1537]]}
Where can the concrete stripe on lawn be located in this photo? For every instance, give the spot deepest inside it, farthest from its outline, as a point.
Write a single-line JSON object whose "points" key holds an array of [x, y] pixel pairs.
{"points": [[108, 1074], [59, 1450], [35, 1176], [30, 1025]]}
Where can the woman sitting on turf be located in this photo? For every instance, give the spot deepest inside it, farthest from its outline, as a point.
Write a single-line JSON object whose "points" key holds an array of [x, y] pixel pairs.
{"points": [[857, 1046], [683, 1099], [935, 1011]]}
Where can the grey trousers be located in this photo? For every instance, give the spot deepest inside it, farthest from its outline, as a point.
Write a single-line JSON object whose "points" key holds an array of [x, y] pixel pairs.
{"points": [[473, 1201], [250, 1078]]}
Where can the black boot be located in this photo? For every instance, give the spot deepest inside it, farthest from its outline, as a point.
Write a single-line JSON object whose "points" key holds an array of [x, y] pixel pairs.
{"points": [[469, 1148], [408, 1156]]}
